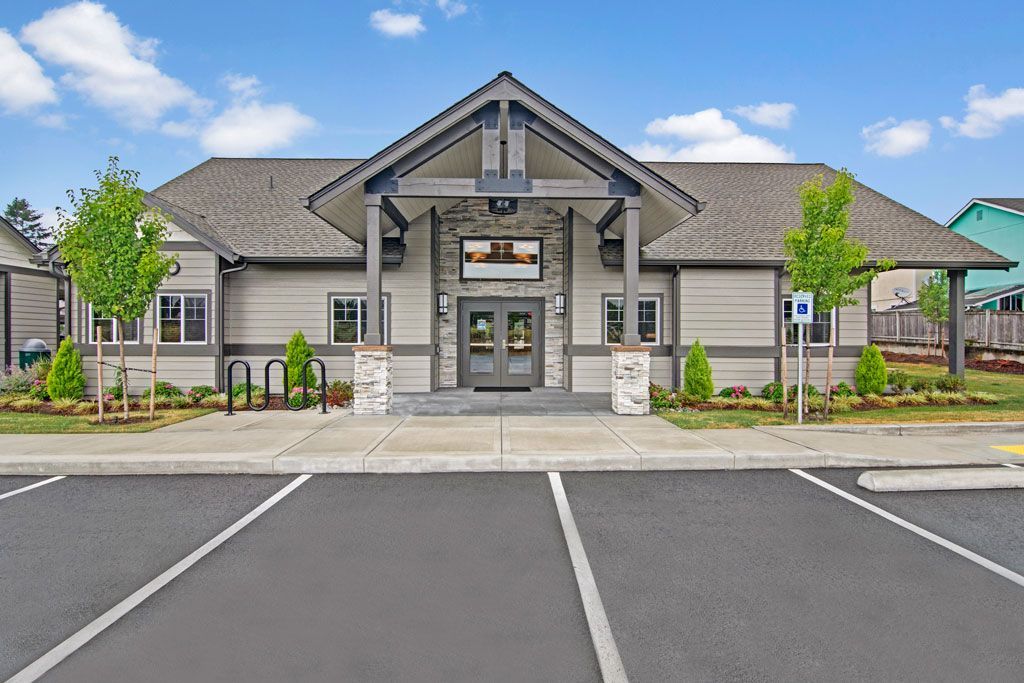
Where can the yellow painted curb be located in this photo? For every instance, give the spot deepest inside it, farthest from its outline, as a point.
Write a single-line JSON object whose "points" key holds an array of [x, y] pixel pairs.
{"points": [[1018, 450]]}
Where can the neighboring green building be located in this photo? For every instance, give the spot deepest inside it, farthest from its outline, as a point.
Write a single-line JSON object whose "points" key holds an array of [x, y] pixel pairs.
{"points": [[999, 225]]}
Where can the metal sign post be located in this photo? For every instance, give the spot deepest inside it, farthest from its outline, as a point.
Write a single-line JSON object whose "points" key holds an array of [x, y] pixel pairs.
{"points": [[803, 314]]}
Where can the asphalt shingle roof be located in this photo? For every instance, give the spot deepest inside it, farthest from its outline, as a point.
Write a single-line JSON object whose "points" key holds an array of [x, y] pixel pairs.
{"points": [[749, 206]]}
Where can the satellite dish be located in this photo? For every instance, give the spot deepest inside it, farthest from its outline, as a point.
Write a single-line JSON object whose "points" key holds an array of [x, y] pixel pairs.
{"points": [[901, 292]]}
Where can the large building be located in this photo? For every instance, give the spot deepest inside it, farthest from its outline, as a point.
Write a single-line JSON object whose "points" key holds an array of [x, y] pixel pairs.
{"points": [[502, 244]]}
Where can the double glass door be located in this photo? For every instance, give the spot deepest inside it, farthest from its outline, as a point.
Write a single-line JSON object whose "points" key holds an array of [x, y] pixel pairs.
{"points": [[500, 343]]}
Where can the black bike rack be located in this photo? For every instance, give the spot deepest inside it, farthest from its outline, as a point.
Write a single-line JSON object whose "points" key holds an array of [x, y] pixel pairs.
{"points": [[266, 385]]}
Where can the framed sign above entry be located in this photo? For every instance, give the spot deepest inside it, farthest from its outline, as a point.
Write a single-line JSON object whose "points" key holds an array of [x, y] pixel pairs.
{"points": [[488, 258]]}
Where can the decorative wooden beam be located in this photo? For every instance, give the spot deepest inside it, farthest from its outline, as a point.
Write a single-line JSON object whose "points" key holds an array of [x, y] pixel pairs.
{"points": [[392, 212], [613, 212], [461, 188], [486, 117], [518, 115], [491, 146]]}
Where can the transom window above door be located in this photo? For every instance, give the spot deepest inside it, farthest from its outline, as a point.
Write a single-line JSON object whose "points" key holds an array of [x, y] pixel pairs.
{"points": [[348, 319], [182, 318], [648, 320]]}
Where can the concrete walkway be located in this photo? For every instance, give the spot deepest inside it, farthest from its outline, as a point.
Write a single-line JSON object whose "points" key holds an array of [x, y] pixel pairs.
{"points": [[283, 442]]}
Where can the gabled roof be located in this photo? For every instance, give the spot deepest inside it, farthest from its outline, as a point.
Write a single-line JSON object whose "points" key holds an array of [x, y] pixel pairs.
{"points": [[19, 236], [192, 223], [980, 297], [1007, 204]]}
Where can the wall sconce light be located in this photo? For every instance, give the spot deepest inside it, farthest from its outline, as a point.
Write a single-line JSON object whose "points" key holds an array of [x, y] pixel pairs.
{"points": [[442, 303], [559, 304]]}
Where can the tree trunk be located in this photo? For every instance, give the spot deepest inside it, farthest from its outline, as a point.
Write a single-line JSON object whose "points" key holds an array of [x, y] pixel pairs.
{"points": [[828, 372], [99, 371], [124, 367], [783, 375], [152, 374]]}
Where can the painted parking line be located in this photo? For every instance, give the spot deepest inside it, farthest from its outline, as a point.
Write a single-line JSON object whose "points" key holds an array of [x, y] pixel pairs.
{"points": [[924, 533], [600, 630], [1017, 449], [36, 485], [55, 656], [1008, 464]]}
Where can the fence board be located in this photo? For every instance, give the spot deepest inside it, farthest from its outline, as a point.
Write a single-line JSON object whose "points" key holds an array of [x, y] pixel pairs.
{"points": [[988, 329]]}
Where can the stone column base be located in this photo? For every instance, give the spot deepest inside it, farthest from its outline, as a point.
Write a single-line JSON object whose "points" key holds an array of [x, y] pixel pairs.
{"points": [[371, 384], [631, 380]]}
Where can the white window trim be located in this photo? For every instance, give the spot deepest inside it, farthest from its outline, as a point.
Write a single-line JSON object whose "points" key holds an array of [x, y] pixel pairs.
{"points": [[359, 322], [816, 344], [114, 332], [181, 337], [604, 318]]}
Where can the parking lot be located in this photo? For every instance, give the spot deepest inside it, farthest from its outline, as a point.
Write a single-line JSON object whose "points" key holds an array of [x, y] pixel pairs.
{"points": [[750, 575]]}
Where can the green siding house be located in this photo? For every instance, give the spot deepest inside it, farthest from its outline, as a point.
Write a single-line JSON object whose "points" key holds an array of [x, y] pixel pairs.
{"points": [[999, 225]]}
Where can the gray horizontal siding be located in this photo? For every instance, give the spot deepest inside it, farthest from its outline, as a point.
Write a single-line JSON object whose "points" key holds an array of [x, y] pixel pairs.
{"points": [[33, 311]]}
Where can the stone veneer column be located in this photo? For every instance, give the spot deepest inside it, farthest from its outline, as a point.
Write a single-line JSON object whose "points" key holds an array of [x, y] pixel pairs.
{"points": [[631, 380], [371, 386]]}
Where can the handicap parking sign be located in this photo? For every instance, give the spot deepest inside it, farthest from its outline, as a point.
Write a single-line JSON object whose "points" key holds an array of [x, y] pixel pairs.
{"points": [[803, 307]]}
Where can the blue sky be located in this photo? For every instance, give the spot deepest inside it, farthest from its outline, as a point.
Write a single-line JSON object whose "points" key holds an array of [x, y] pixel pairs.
{"points": [[923, 100]]}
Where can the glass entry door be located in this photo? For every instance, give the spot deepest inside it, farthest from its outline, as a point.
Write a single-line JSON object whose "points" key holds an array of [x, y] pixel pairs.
{"points": [[501, 343]]}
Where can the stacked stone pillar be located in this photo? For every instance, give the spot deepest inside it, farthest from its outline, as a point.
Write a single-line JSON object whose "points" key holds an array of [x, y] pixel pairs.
{"points": [[371, 386], [631, 380]]}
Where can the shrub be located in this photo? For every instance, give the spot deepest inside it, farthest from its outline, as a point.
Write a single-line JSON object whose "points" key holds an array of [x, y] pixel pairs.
{"points": [[181, 402], [982, 397], [772, 392], [871, 375], [662, 398], [844, 390], [922, 384], [7, 399], [952, 384], [26, 404], [810, 391], [86, 408], [238, 391], [697, 373], [737, 391], [115, 392], [339, 393], [218, 401], [41, 368], [295, 398], [163, 390], [65, 405], [898, 380], [845, 403], [297, 352], [66, 379], [16, 381], [38, 390], [201, 391]]}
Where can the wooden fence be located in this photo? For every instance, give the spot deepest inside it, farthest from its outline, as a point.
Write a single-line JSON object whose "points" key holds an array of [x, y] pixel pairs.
{"points": [[989, 329]]}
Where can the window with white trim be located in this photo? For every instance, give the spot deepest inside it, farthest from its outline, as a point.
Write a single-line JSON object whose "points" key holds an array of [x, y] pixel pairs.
{"points": [[109, 332], [348, 319], [819, 329], [182, 318], [648, 320]]}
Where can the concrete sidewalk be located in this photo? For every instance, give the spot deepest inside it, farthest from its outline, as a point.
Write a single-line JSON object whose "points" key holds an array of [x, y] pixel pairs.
{"points": [[282, 442]]}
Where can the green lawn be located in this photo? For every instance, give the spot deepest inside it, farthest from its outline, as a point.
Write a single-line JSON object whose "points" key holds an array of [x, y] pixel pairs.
{"points": [[35, 423], [1010, 389]]}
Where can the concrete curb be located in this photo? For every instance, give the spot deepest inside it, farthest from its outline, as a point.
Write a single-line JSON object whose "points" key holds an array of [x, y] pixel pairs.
{"points": [[911, 429], [942, 480]]}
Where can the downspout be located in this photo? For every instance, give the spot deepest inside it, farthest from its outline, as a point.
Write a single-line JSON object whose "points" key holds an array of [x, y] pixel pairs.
{"points": [[220, 318], [675, 327]]}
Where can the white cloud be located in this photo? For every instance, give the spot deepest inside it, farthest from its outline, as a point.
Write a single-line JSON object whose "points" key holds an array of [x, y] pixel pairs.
{"points": [[452, 8], [397, 25], [712, 137], [108, 64], [251, 127], [769, 114], [891, 138], [23, 85], [986, 114], [52, 120], [242, 86], [180, 129]]}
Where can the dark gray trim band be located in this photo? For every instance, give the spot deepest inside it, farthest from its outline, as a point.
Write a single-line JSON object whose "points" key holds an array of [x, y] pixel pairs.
{"points": [[335, 260], [144, 350], [22, 270], [595, 350], [664, 350], [235, 350]]}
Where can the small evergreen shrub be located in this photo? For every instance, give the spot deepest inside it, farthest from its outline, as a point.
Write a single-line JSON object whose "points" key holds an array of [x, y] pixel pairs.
{"points": [[773, 392], [898, 380], [951, 384], [297, 352], [697, 373], [201, 391], [66, 379], [921, 384], [871, 375]]}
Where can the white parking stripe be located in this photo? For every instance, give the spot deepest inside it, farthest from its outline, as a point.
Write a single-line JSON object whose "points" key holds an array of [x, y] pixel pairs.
{"points": [[1010, 464], [36, 485], [924, 533], [600, 630], [55, 656]]}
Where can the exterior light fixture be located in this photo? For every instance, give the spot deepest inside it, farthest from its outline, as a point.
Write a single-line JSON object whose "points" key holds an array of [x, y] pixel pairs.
{"points": [[503, 207], [442, 303], [559, 304], [175, 268]]}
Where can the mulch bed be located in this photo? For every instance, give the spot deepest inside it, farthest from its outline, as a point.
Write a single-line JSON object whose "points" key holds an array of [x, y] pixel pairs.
{"points": [[1003, 365]]}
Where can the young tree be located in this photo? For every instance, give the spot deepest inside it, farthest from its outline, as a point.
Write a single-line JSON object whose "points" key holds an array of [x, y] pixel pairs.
{"points": [[933, 301], [821, 259], [111, 244], [27, 220]]}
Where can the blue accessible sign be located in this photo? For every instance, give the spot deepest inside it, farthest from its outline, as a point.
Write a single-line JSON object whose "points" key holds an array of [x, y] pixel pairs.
{"points": [[803, 308]]}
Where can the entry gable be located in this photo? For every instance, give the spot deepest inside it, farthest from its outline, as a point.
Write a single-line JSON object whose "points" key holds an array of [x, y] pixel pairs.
{"points": [[505, 141]]}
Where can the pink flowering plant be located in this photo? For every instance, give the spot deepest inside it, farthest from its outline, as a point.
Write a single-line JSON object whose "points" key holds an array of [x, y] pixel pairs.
{"points": [[737, 391]]}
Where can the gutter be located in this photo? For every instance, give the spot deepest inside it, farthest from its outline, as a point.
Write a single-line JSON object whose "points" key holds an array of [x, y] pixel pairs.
{"points": [[220, 316]]}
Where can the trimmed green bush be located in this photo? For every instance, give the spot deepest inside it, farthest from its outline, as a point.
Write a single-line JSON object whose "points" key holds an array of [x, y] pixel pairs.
{"points": [[66, 379], [871, 375], [773, 392], [697, 373], [163, 390], [296, 354], [898, 380], [951, 384]]}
